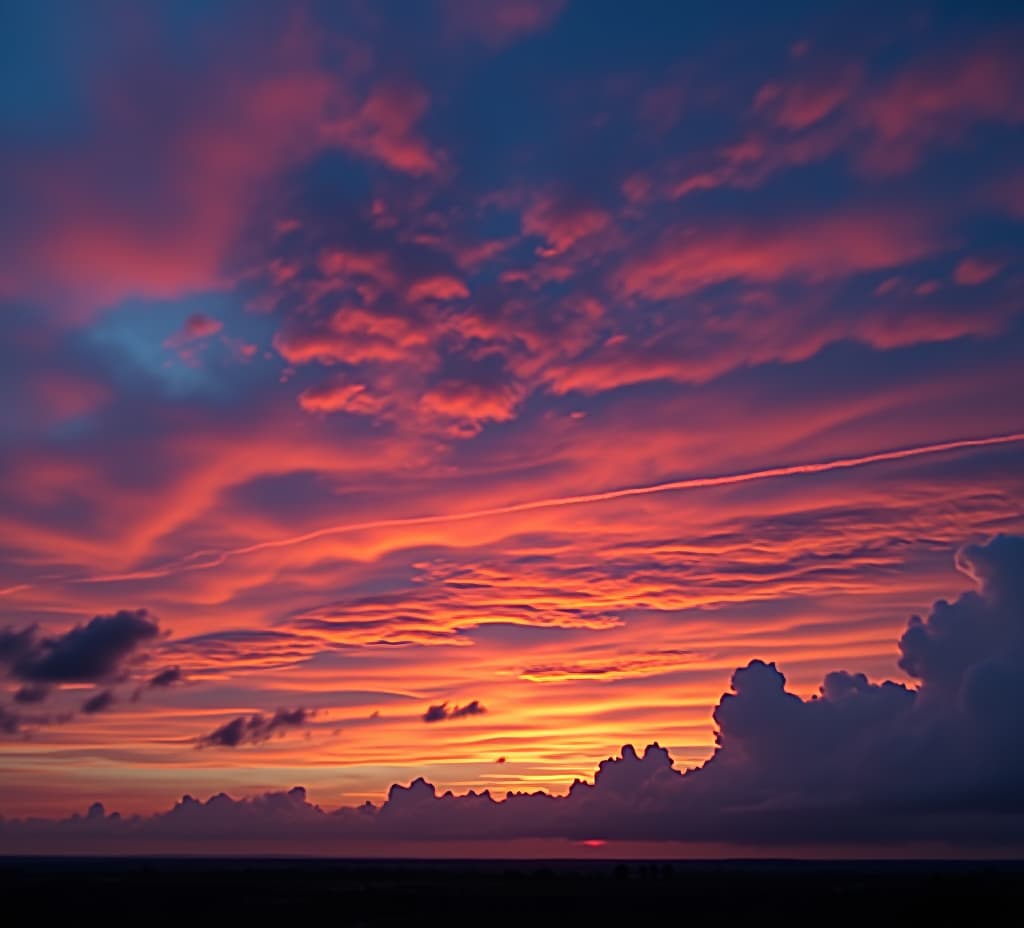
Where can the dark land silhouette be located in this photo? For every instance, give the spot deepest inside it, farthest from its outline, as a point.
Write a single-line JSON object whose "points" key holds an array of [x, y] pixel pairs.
{"points": [[196, 891]]}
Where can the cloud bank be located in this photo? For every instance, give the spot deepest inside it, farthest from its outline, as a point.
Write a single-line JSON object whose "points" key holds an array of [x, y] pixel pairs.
{"points": [[858, 763]]}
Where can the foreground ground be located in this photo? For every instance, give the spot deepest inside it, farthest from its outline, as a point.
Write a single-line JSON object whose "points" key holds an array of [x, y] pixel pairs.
{"points": [[215, 892]]}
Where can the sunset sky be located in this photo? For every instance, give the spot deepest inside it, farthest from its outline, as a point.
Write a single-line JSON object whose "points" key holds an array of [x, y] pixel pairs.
{"points": [[332, 333]]}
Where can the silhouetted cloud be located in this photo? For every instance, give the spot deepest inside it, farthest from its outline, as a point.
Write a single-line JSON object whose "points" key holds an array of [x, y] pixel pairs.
{"points": [[441, 712], [98, 703], [86, 654], [253, 729], [32, 693], [167, 677]]}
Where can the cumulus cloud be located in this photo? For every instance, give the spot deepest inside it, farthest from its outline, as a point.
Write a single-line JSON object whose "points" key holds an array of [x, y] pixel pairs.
{"points": [[255, 729], [937, 764], [88, 653], [442, 713]]}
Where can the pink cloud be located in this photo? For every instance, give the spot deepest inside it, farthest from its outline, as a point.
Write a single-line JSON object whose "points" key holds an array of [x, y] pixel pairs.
{"points": [[473, 403], [196, 327], [972, 271], [561, 222], [687, 259], [499, 24], [384, 128], [204, 168], [441, 287], [798, 105], [340, 397], [351, 335]]}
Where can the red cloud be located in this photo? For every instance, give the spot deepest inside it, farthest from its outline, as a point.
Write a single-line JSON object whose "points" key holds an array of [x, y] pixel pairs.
{"points": [[562, 223], [685, 259], [384, 129], [440, 287], [884, 126], [473, 403], [340, 397], [351, 335]]}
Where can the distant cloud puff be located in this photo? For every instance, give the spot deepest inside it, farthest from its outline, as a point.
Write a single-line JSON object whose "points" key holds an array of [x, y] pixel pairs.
{"points": [[442, 713], [98, 703], [502, 23], [255, 729]]}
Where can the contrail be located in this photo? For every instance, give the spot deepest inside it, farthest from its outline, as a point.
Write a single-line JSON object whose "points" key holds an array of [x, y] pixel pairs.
{"points": [[203, 560]]}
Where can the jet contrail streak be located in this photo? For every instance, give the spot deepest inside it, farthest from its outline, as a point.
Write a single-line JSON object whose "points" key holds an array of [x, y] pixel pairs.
{"points": [[203, 560]]}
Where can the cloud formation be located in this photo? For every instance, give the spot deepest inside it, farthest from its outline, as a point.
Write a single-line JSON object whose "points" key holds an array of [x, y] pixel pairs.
{"points": [[255, 729], [88, 653], [859, 763], [442, 713], [102, 701]]}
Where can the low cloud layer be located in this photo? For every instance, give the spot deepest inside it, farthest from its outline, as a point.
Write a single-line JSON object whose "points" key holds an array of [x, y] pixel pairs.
{"points": [[860, 762]]}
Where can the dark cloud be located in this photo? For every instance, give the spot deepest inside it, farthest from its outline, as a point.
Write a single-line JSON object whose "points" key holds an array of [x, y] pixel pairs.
{"points": [[256, 728], [167, 677], [441, 713], [32, 693], [98, 703], [87, 654], [859, 763], [10, 722]]}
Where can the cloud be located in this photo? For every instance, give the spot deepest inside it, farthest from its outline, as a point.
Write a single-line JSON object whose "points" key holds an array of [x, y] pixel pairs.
{"points": [[334, 396], [10, 722], [860, 763], [167, 677], [98, 703], [255, 729], [499, 24], [384, 129], [32, 693], [562, 222], [195, 327], [86, 654], [972, 271], [442, 713], [885, 124], [685, 260]]}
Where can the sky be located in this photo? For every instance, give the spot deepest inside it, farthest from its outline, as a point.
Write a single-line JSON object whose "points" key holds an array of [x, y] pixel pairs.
{"points": [[412, 397]]}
